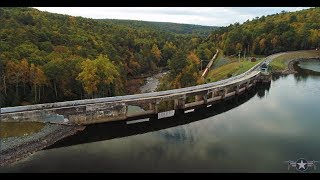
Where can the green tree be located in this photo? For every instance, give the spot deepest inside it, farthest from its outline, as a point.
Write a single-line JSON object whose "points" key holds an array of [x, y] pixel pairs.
{"points": [[239, 47], [107, 73], [169, 49], [55, 70], [89, 77], [156, 53], [38, 79], [98, 76], [177, 63]]}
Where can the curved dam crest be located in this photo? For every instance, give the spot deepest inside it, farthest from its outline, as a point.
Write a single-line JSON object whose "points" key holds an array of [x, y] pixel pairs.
{"points": [[90, 111]]}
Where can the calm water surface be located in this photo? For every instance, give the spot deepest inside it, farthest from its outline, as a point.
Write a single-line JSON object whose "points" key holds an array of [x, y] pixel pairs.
{"points": [[255, 133]]}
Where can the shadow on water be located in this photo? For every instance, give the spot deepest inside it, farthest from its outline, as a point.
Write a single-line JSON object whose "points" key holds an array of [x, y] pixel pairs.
{"points": [[111, 130]]}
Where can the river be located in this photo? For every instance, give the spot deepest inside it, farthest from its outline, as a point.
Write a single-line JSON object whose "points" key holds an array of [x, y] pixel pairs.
{"points": [[256, 132], [152, 83]]}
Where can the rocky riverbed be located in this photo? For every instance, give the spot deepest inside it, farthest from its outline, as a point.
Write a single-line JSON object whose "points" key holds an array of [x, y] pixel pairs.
{"points": [[152, 83]]}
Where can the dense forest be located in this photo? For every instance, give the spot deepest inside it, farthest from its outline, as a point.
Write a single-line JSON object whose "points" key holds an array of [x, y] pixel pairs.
{"points": [[270, 34], [285, 31], [197, 30], [48, 57]]}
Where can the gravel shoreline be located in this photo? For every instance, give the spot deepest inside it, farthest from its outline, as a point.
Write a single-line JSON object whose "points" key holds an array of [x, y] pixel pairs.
{"points": [[290, 69], [13, 149]]}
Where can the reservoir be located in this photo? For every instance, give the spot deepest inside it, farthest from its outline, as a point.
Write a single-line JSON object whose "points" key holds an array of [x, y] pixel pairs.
{"points": [[256, 132]]}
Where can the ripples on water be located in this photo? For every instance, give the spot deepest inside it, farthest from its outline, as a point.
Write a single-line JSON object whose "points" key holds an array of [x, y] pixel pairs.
{"points": [[254, 133]]}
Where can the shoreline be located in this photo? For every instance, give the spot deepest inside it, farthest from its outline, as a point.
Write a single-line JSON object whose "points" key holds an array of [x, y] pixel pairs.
{"points": [[23, 147], [290, 69], [17, 150], [14, 149]]}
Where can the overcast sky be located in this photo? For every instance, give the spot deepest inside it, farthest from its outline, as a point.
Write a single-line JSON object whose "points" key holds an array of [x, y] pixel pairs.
{"points": [[211, 16]]}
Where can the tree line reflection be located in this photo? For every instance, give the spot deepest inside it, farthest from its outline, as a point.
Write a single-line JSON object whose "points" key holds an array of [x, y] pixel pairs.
{"points": [[111, 130]]}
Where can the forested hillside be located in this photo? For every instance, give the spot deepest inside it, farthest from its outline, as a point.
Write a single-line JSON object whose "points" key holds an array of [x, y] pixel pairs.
{"points": [[270, 34], [266, 35], [171, 27], [47, 57]]}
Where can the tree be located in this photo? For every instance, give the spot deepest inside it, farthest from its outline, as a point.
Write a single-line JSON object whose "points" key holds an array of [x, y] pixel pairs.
{"points": [[57, 44], [208, 54], [275, 41], [239, 47], [189, 75], [26, 19], [169, 49], [156, 52], [26, 49], [177, 63], [3, 85], [55, 70], [89, 77], [293, 18], [100, 72], [262, 44], [25, 71], [107, 73], [13, 75], [314, 38], [38, 79]]}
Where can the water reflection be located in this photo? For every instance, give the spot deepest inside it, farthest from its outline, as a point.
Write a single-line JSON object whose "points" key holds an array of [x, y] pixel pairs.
{"points": [[313, 65], [304, 73], [105, 131], [264, 88], [254, 133]]}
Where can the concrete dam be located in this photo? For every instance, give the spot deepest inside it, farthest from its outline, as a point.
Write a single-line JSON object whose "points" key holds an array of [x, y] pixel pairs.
{"points": [[171, 102]]}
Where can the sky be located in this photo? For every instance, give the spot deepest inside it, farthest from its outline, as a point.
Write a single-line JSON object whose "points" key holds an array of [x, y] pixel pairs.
{"points": [[210, 16]]}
